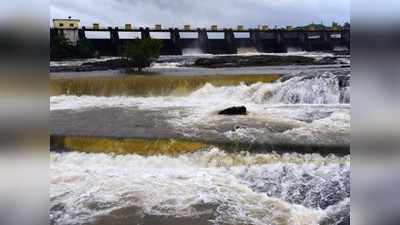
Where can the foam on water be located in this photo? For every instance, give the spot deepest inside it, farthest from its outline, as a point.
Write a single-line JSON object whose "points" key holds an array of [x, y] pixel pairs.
{"points": [[299, 110], [165, 65], [191, 54], [192, 51], [296, 90], [235, 188], [79, 62], [239, 188]]}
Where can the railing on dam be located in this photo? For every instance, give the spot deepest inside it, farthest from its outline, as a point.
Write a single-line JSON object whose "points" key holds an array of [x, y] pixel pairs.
{"points": [[214, 40]]}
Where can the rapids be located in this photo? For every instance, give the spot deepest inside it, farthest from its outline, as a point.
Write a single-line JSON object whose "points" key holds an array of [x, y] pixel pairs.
{"points": [[316, 88], [298, 112], [206, 187], [210, 185]]}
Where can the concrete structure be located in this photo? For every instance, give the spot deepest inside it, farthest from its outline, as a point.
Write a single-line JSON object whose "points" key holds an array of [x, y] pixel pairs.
{"points": [[128, 26], [69, 28], [66, 23], [262, 38]]}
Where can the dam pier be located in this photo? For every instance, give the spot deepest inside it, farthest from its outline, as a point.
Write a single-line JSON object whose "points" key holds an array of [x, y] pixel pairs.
{"points": [[108, 41]]}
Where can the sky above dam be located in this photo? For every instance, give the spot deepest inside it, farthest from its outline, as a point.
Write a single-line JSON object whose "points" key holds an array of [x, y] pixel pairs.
{"points": [[202, 13]]}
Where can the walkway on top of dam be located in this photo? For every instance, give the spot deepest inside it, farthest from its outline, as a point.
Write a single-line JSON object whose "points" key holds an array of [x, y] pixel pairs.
{"points": [[107, 41]]}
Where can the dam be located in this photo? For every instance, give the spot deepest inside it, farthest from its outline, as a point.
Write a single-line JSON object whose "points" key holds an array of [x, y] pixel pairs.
{"points": [[153, 148], [108, 41]]}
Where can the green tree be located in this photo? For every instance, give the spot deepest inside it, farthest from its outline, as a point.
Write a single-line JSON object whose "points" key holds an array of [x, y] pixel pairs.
{"points": [[84, 49], [60, 47], [142, 52]]}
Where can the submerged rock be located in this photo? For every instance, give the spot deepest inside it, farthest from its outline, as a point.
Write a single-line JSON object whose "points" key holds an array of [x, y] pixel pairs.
{"points": [[260, 60], [240, 110], [112, 64]]}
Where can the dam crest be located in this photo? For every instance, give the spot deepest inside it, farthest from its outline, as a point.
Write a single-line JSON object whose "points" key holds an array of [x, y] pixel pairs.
{"points": [[108, 41]]}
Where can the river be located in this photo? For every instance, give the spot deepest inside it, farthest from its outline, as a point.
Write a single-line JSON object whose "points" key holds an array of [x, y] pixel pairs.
{"points": [[287, 162]]}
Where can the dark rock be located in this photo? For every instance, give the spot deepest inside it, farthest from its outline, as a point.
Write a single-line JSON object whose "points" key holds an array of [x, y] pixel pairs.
{"points": [[328, 60], [342, 53], [258, 60], [113, 64], [241, 110], [237, 127]]}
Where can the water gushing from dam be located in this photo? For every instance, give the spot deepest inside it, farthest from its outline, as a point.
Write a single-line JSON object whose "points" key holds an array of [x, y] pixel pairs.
{"points": [[192, 51]]}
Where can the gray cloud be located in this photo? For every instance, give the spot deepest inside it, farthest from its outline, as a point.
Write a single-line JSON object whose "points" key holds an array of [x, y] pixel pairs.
{"points": [[202, 13]]}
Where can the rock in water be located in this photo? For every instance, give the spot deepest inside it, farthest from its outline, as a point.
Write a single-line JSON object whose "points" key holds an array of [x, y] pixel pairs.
{"points": [[257, 60], [241, 110]]}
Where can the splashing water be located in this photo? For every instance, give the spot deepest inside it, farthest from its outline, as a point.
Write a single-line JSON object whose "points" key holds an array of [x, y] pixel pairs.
{"points": [[319, 90], [192, 51], [213, 186], [233, 188], [325, 89]]}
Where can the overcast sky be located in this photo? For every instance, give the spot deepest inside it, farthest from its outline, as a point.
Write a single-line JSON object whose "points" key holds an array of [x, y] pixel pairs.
{"points": [[202, 13]]}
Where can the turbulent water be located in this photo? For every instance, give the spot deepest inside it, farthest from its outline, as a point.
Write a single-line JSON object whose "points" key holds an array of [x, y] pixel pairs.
{"points": [[183, 64], [315, 88], [216, 186], [208, 187], [300, 109]]}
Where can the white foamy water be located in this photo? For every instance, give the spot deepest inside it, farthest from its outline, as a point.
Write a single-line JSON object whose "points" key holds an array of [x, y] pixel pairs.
{"points": [[316, 55], [304, 111], [234, 188], [162, 65], [192, 52], [243, 188], [297, 90], [190, 55]]}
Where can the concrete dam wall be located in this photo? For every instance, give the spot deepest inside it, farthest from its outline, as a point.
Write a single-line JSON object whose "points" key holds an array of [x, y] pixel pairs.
{"points": [[226, 41]]}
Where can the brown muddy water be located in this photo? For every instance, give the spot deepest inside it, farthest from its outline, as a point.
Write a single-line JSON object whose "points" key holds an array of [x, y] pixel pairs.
{"points": [[152, 150], [148, 85]]}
